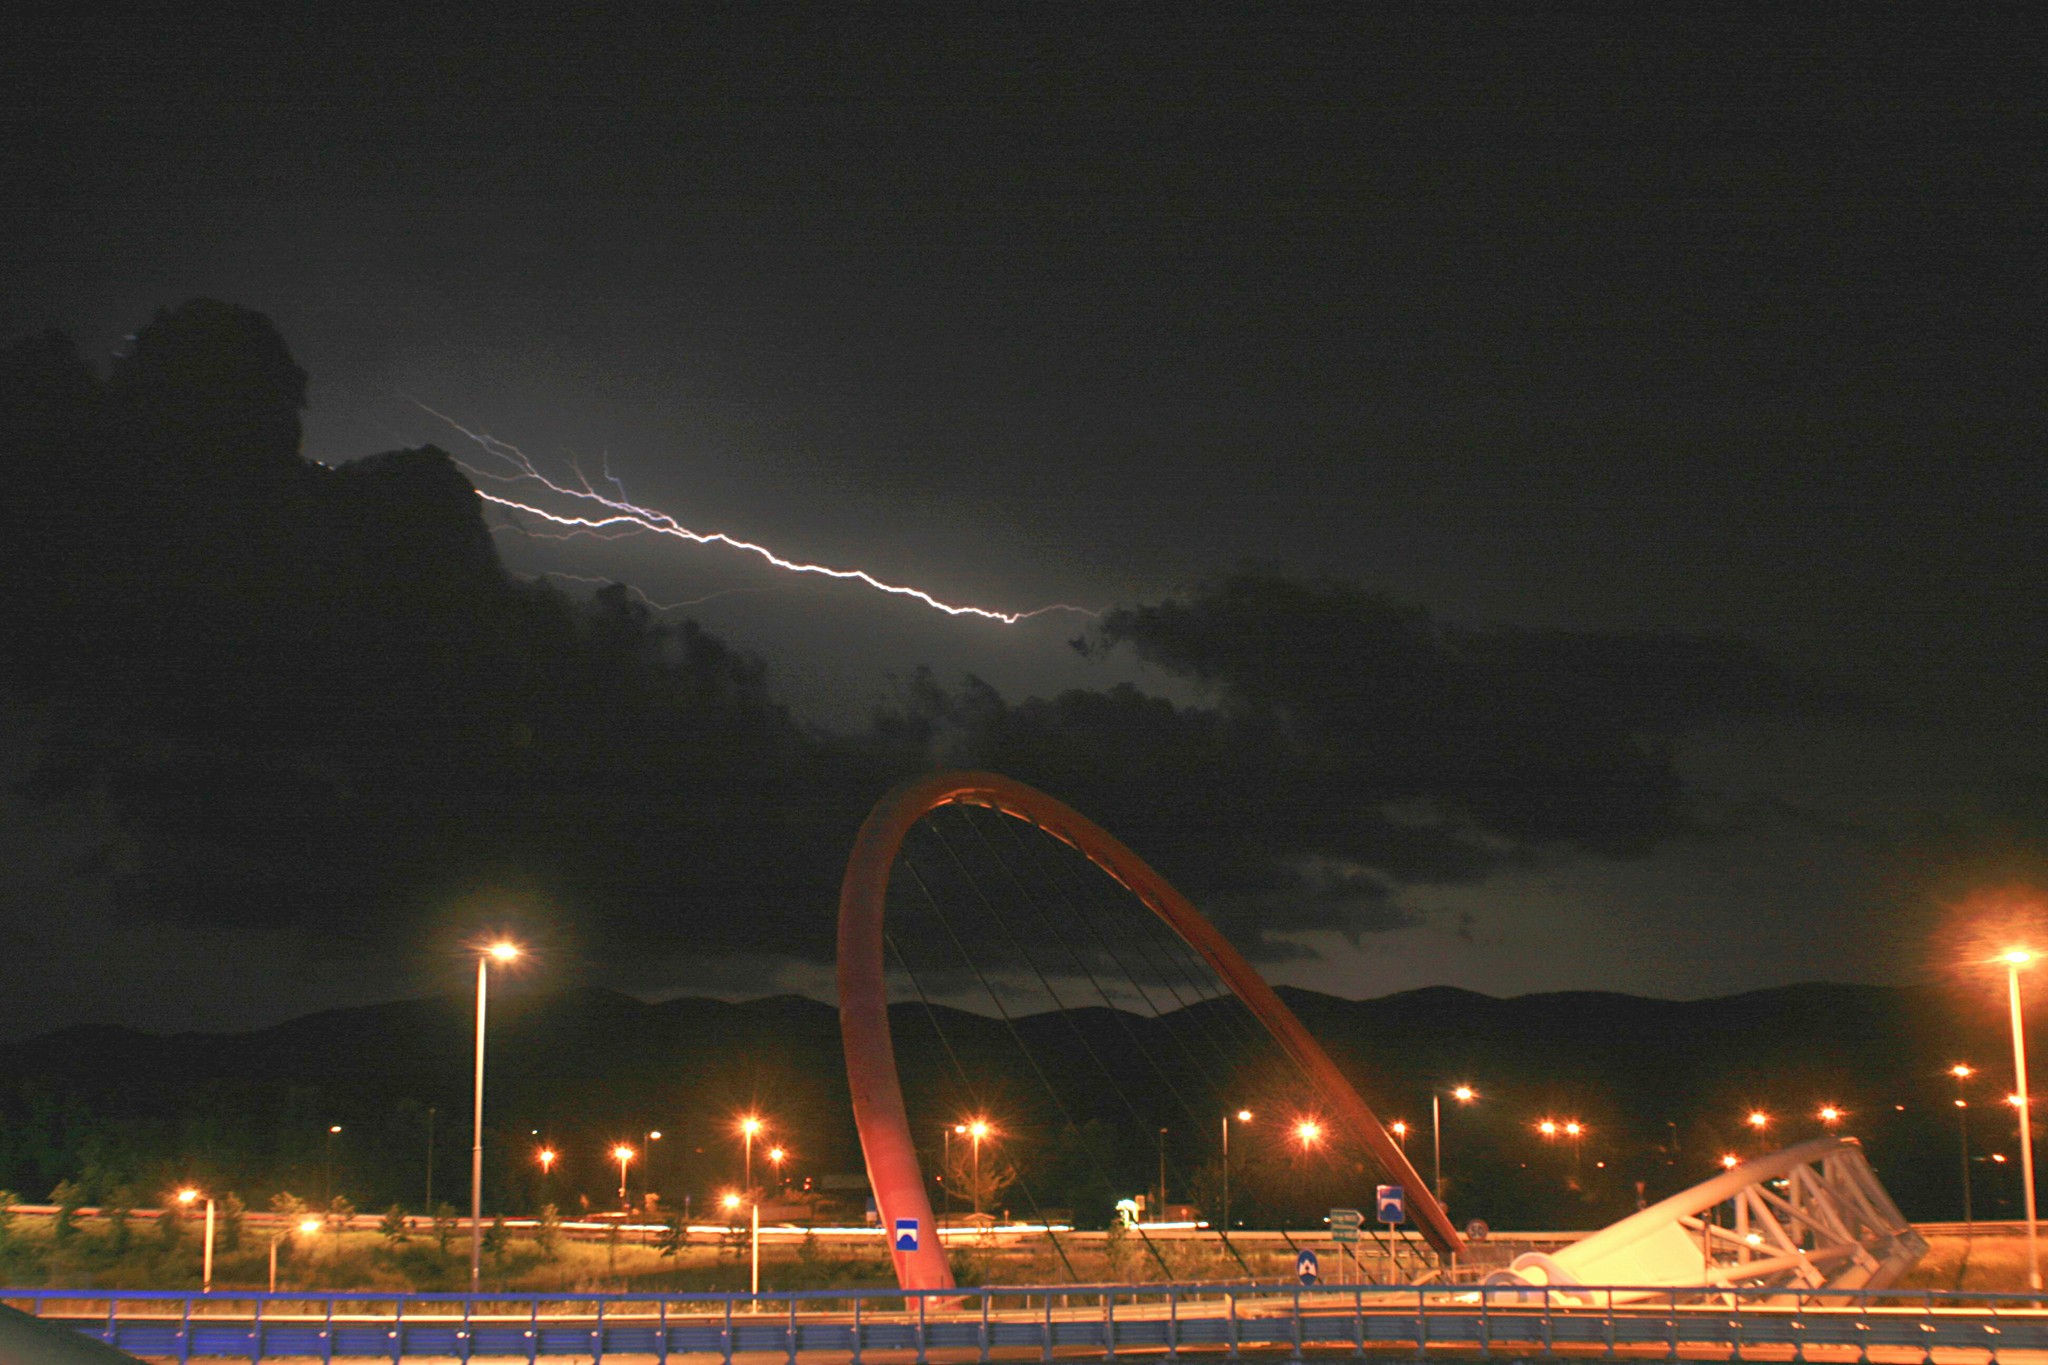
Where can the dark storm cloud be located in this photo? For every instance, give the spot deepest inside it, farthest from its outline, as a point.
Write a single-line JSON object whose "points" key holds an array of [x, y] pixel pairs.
{"points": [[1351, 744], [312, 696], [314, 700]]}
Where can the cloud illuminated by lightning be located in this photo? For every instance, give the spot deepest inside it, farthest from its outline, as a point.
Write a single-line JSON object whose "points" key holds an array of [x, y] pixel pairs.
{"points": [[639, 595], [613, 516]]}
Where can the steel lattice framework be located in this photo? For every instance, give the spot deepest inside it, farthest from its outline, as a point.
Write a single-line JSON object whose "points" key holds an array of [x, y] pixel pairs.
{"points": [[878, 1110], [1806, 1218]]}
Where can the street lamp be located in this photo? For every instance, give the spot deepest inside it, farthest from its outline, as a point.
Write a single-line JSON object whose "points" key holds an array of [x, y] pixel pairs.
{"points": [[1463, 1094], [327, 1179], [1243, 1116], [546, 1157], [622, 1154], [503, 952], [1399, 1128], [749, 1125], [2014, 959], [1308, 1133], [1962, 1071], [309, 1226], [1730, 1161], [946, 1174], [186, 1197], [978, 1130], [776, 1156], [1162, 1175], [732, 1203]]}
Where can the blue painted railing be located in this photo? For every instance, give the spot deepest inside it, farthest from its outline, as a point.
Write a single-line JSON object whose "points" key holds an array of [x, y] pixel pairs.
{"points": [[969, 1325]]}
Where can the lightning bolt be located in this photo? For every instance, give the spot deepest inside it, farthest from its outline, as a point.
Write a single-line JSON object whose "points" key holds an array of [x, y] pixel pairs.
{"points": [[612, 516]]}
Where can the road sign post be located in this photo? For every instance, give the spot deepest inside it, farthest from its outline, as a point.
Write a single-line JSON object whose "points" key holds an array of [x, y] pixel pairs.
{"points": [[1390, 1206], [1344, 1226]]}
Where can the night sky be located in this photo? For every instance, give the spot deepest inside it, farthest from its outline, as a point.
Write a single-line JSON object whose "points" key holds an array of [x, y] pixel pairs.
{"points": [[1560, 476]]}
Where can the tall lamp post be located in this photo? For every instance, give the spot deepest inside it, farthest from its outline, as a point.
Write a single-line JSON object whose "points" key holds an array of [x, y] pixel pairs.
{"points": [[732, 1204], [1162, 1175], [1962, 1071], [749, 1125], [622, 1154], [946, 1161], [1463, 1094], [186, 1197], [309, 1226], [502, 951], [327, 1178], [1242, 1116], [977, 1129], [2015, 959]]}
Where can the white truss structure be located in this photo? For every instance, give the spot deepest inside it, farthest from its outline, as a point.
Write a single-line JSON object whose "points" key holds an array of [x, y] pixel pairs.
{"points": [[1811, 1217]]}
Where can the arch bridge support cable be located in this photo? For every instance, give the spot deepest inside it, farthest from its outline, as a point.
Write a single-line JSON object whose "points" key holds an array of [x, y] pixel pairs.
{"points": [[878, 1110]]}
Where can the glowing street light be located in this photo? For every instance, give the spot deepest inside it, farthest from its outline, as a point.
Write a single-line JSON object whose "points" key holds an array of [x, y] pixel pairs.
{"points": [[186, 1197], [979, 1131], [547, 1157], [1830, 1115], [731, 1204], [1463, 1094], [747, 1126], [1729, 1161], [622, 1154], [503, 952], [1399, 1128], [2014, 959], [1759, 1120], [1962, 1071], [327, 1177], [1308, 1133], [1548, 1128], [1243, 1116], [776, 1156], [308, 1226]]}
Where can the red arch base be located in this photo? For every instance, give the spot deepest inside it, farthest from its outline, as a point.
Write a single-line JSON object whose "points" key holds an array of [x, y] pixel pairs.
{"points": [[878, 1110]]}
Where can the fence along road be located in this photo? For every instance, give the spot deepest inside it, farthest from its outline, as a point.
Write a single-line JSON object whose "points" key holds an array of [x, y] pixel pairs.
{"points": [[1019, 1324]]}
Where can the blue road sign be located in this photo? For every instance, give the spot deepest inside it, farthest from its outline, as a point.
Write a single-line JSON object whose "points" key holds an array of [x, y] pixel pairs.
{"points": [[1393, 1206], [906, 1234], [1307, 1266]]}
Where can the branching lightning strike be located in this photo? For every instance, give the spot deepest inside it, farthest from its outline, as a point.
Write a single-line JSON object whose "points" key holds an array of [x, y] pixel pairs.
{"points": [[620, 516]]}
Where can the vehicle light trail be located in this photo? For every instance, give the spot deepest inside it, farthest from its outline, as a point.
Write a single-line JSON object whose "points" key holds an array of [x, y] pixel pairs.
{"points": [[617, 516]]}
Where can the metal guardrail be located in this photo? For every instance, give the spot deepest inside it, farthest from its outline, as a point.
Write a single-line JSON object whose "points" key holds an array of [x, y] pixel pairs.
{"points": [[981, 1325]]}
